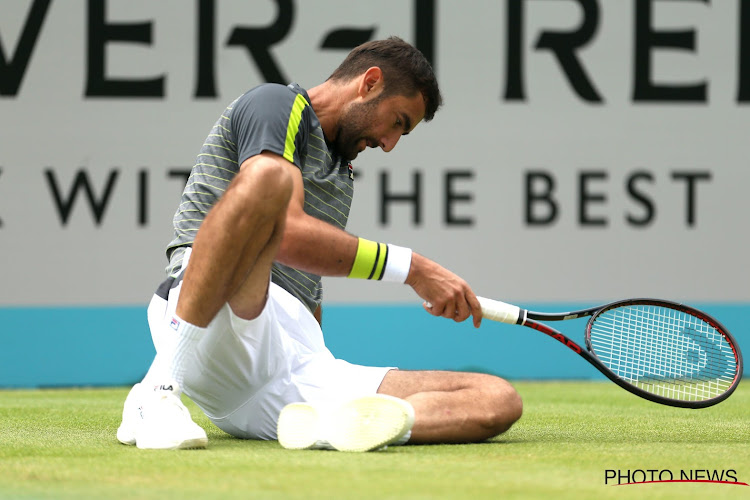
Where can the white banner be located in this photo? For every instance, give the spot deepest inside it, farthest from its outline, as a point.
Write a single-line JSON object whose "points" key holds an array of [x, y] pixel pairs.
{"points": [[587, 150]]}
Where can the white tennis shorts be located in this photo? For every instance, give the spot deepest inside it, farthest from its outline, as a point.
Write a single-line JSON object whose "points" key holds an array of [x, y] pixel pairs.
{"points": [[244, 372]]}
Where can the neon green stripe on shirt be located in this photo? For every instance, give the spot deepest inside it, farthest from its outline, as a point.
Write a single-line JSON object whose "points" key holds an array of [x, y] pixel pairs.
{"points": [[293, 126]]}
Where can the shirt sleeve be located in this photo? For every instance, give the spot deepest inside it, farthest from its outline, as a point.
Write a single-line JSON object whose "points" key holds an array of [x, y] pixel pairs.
{"points": [[272, 118]]}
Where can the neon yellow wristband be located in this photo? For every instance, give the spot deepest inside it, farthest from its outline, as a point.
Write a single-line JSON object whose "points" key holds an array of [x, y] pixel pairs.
{"points": [[380, 261]]}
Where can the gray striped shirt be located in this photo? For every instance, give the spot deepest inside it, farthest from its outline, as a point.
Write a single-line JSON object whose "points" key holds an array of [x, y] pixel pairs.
{"points": [[273, 118]]}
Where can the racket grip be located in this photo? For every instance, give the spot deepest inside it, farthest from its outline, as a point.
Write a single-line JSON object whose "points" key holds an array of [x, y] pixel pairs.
{"points": [[499, 311]]}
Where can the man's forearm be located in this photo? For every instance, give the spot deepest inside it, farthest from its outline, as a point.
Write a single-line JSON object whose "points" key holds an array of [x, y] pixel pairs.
{"points": [[317, 247]]}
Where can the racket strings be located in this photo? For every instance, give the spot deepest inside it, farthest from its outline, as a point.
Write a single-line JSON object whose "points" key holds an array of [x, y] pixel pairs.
{"points": [[664, 351]]}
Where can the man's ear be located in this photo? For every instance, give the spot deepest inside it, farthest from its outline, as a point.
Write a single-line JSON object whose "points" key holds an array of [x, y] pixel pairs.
{"points": [[371, 83]]}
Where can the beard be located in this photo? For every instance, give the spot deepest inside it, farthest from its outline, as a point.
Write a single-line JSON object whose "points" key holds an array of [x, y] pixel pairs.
{"points": [[352, 129]]}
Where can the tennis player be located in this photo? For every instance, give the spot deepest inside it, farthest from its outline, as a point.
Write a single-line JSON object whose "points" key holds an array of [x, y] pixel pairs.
{"points": [[236, 324]]}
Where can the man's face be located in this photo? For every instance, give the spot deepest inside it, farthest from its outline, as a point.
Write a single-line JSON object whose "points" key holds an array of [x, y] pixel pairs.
{"points": [[377, 122]]}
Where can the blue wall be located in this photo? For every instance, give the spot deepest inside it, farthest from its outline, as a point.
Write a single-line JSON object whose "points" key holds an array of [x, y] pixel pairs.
{"points": [[104, 346]]}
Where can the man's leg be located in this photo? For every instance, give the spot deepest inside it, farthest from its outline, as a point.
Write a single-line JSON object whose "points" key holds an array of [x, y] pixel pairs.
{"points": [[236, 244], [232, 255], [455, 407], [411, 406], [230, 262]]}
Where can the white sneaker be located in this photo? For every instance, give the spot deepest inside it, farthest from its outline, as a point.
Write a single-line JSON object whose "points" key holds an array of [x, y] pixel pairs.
{"points": [[362, 424], [157, 419]]}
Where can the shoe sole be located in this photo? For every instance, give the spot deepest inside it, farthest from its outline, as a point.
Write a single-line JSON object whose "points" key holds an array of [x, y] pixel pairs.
{"points": [[297, 427], [125, 433], [369, 423], [128, 438], [124, 436], [359, 425], [187, 444]]}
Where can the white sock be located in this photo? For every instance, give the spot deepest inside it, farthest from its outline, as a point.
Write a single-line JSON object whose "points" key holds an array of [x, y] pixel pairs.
{"points": [[188, 336], [160, 370]]}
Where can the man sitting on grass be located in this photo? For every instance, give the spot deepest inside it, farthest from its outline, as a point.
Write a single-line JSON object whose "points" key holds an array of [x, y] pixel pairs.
{"points": [[262, 218]]}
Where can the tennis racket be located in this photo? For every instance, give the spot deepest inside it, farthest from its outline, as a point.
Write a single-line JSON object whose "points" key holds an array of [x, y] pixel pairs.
{"points": [[662, 351]]}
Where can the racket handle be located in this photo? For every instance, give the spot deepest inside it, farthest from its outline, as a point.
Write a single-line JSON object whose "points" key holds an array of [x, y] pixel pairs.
{"points": [[499, 311]]}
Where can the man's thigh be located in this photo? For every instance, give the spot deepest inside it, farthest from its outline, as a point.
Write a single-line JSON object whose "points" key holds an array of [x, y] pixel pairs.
{"points": [[405, 383]]}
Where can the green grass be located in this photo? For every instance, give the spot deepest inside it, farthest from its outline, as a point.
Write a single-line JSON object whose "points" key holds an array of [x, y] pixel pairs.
{"points": [[61, 444]]}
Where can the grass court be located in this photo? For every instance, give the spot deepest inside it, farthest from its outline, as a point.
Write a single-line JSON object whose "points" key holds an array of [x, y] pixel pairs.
{"points": [[60, 444]]}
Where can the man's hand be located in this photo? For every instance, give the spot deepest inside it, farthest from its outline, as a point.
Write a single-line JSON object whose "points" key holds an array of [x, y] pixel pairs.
{"points": [[445, 294]]}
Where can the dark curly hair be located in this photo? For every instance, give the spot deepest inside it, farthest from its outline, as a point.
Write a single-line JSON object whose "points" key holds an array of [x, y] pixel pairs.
{"points": [[405, 70]]}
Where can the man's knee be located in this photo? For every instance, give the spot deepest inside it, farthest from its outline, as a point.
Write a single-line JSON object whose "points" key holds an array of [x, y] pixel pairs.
{"points": [[501, 408], [267, 181], [504, 407]]}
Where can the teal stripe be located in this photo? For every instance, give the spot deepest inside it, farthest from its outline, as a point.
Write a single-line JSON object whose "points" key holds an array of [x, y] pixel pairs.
{"points": [[73, 346], [111, 346]]}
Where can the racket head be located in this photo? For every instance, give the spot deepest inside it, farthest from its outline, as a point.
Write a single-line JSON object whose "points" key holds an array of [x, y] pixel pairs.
{"points": [[665, 352]]}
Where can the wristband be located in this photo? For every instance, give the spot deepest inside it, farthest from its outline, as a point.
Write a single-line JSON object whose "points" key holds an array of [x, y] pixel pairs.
{"points": [[380, 261]]}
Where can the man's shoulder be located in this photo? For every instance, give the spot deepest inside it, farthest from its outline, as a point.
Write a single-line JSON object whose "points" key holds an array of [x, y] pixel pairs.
{"points": [[273, 92], [271, 100]]}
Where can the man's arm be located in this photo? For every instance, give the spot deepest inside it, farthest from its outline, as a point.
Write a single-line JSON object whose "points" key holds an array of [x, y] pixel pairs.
{"points": [[312, 245]]}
